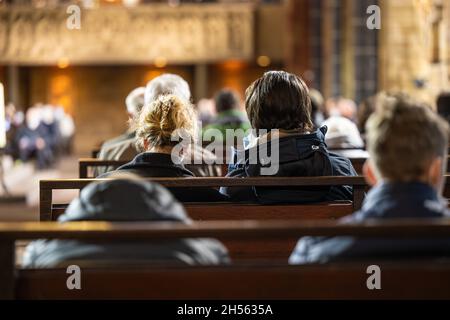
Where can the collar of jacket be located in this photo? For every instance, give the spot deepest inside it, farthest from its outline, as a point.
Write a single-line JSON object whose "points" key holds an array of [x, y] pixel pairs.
{"points": [[396, 200], [292, 146], [154, 159]]}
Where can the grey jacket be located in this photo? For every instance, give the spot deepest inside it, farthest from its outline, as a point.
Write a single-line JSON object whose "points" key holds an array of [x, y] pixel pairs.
{"points": [[124, 200]]}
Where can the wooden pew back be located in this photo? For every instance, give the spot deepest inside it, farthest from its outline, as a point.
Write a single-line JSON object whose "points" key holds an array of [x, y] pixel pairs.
{"points": [[423, 279], [224, 211], [85, 164]]}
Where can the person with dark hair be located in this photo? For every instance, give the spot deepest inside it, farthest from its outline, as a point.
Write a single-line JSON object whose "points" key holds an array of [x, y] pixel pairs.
{"points": [[228, 114], [443, 105], [280, 102], [125, 198]]}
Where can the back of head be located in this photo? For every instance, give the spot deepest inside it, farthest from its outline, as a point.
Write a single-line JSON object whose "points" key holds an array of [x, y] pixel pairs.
{"points": [[404, 137], [167, 84], [279, 100], [365, 110], [164, 119], [226, 99], [125, 198], [135, 101]]}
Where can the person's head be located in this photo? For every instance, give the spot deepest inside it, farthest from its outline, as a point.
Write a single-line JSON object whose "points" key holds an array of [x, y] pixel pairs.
{"points": [[365, 110], [443, 105], [340, 106], [163, 120], [33, 117], [226, 99], [167, 84], [135, 101], [279, 100], [317, 107], [407, 142], [144, 201]]}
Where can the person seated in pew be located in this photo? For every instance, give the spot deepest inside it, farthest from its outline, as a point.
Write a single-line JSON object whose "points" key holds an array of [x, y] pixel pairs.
{"points": [[126, 150], [125, 198], [159, 126], [123, 147], [229, 116], [279, 103], [443, 105], [174, 84], [407, 143]]}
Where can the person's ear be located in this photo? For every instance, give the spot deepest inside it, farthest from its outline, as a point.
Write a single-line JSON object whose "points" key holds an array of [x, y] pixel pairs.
{"points": [[369, 173], [436, 174]]}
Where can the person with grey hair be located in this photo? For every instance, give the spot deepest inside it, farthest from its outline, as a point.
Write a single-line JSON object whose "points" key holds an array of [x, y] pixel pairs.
{"points": [[123, 147], [145, 202], [167, 84], [198, 161]]}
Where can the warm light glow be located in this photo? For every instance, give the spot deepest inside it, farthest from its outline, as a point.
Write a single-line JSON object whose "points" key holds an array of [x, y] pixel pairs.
{"points": [[160, 62], [63, 63], [233, 65], [61, 91], [263, 61], [130, 3], [152, 74]]}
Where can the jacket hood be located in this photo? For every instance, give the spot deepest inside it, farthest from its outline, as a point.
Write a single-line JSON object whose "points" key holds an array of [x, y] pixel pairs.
{"points": [[125, 200]]}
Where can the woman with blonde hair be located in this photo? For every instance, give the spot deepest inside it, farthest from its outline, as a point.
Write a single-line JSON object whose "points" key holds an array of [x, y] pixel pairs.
{"points": [[166, 129]]}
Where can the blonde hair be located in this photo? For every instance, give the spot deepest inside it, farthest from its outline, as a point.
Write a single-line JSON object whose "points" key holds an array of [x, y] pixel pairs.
{"points": [[164, 120], [404, 136]]}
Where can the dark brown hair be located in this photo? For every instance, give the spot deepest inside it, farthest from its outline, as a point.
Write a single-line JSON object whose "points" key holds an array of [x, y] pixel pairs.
{"points": [[279, 100], [226, 99]]}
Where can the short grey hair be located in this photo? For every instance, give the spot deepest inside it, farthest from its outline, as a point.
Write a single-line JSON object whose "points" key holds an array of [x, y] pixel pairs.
{"points": [[135, 101], [167, 84]]}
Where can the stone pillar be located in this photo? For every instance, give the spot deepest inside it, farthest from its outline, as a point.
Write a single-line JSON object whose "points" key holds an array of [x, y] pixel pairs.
{"points": [[13, 80], [200, 81], [298, 58]]}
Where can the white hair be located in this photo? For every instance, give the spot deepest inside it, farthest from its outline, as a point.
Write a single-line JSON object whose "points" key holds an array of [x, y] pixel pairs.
{"points": [[135, 101], [167, 84]]}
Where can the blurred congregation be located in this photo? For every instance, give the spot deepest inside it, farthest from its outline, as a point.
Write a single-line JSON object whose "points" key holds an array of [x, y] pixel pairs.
{"points": [[258, 137]]}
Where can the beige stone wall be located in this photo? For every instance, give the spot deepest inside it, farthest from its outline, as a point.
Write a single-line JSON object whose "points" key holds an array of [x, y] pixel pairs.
{"points": [[407, 47]]}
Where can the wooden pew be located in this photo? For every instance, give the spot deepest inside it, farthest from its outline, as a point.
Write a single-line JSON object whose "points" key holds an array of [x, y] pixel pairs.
{"points": [[229, 210], [412, 279], [84, 164]]}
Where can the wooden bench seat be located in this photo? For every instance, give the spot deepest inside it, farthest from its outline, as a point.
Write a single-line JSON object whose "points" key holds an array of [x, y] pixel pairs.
{"points": [[412, 279], [225, 211]]}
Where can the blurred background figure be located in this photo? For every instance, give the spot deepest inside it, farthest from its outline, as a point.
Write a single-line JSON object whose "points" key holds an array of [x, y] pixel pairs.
{"points": [[365, 110], [229, 113], [43, 134], [66, 127], [34, 140], [443, 105], [318, 112], [342, 131], [206, 111]]}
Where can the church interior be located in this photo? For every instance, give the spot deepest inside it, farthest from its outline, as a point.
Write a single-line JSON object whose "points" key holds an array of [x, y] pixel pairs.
{"points": [[78, 76]]}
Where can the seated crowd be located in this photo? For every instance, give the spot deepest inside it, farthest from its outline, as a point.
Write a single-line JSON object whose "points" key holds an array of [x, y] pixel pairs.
{"points": [[43, 133], [285, 140]]}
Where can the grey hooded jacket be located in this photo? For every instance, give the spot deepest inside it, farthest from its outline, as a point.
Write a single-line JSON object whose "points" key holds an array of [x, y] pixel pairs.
{"points": [[124, 200]]}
